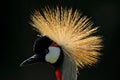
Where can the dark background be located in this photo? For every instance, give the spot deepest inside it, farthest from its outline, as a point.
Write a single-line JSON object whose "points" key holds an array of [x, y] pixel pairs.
{"points": [[17, 38]]}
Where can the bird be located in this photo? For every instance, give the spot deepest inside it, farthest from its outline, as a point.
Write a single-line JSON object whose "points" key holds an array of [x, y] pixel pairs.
{"points": [[66, 41]]}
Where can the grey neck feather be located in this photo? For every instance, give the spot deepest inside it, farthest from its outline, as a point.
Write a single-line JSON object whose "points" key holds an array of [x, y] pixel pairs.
{"points": [[68, 69]]}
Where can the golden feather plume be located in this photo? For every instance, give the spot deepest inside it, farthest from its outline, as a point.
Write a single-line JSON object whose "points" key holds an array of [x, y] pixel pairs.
{"points": [[71, 31]]}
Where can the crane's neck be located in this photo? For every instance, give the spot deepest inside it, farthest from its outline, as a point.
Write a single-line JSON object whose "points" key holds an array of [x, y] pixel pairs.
{"points": [[68, 69]]}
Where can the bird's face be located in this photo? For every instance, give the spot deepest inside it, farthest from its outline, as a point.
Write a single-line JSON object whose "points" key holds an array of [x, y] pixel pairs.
{"points": [[45, 51]]}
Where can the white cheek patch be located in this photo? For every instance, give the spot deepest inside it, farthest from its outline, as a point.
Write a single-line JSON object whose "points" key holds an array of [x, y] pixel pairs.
{"points": [[53, 55]]}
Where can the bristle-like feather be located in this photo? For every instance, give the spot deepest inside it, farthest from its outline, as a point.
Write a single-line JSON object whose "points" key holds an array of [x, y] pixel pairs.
{"points": [[71, 31]]}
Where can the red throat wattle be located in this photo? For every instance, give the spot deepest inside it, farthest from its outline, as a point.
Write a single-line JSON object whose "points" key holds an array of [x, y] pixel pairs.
{"points": [[58, 75]]}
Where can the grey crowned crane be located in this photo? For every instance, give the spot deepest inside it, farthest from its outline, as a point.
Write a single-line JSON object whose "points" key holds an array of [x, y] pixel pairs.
{"points": [[68, 41]]}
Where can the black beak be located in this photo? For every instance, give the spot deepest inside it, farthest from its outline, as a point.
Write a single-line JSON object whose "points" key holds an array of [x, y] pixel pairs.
{"points": [[32, 60]]}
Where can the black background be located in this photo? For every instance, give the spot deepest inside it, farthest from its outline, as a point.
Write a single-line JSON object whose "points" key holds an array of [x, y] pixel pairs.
{"points": [[17, 38]]}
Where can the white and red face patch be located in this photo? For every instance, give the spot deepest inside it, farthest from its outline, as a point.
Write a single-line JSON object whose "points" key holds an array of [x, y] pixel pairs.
{"points": [[53, 54]]}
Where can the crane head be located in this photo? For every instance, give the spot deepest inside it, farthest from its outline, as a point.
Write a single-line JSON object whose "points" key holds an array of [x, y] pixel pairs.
{"points": [[70, 30], [45, 51]]}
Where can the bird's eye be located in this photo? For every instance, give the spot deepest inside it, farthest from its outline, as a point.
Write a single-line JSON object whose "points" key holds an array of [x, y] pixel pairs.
{"points": [[46, 51]]}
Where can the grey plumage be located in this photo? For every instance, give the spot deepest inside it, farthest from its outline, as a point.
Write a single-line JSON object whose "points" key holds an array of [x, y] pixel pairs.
{"points": [[68, 69]]}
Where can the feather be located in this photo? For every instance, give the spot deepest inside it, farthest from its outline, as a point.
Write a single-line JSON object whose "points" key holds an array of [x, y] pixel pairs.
{"points": [[71, 31]]}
